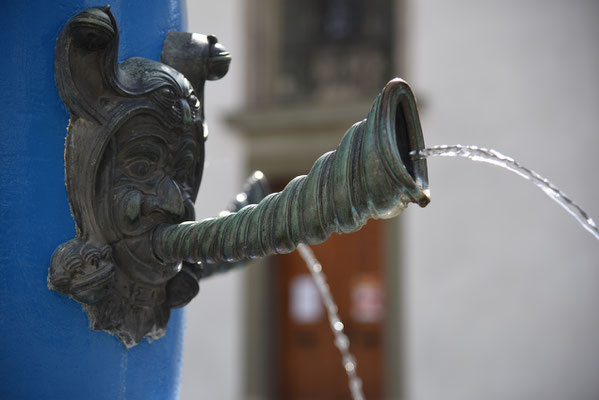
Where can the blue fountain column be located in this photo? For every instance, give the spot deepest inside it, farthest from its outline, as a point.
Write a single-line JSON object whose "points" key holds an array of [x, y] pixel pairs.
{"points": [[47, 350]]}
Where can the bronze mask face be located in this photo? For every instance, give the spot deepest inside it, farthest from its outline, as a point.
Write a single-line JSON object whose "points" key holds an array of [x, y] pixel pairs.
{"points": [[133, 161], [152, 174]]}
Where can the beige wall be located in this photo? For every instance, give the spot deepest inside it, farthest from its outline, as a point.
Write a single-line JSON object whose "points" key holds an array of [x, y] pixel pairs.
{"points": [[501, 285]]}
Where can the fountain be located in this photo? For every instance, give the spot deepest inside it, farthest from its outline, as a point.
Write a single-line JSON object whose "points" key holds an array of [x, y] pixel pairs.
{"points": [[134, 158], [134, 161]]}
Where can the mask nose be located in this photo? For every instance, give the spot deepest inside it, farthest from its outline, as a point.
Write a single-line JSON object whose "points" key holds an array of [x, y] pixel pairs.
{"points": [[168, 200]]}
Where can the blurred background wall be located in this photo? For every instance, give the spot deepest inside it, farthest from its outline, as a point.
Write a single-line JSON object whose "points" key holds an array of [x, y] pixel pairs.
{"points": [[501, 284], [495, 286]]}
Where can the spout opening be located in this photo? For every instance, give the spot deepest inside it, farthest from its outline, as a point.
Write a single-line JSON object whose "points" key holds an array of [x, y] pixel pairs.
{"points": [[403, 121], [404, 147]]}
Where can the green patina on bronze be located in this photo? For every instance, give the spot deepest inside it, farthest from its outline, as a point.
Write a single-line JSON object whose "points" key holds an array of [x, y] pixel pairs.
{"points": [[370, 175]]}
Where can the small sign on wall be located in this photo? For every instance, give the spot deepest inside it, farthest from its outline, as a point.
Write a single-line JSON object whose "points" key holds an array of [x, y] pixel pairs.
{"points": [[367, 299], [305, 306]]}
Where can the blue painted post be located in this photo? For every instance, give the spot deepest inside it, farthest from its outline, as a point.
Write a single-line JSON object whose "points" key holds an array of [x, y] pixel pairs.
{"points": [[47, 350]]}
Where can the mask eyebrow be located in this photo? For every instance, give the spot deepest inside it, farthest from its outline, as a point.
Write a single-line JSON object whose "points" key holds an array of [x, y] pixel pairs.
{"points": [[149, 150], [145, 126]]}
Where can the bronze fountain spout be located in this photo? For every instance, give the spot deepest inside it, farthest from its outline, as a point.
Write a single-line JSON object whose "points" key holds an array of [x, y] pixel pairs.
{"points": [[370, 175], [134, 157]]}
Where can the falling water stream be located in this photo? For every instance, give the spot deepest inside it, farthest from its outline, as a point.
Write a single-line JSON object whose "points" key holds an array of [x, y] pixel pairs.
{"points": [[493, 157], [473, 153], [341, 339]]}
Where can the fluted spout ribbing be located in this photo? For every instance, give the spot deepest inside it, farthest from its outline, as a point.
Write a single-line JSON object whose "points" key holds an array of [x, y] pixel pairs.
{"points": [[370, 175]]}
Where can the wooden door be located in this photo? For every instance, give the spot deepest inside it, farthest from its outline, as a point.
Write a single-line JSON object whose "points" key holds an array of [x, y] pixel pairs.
{"points": [[309, 365]]}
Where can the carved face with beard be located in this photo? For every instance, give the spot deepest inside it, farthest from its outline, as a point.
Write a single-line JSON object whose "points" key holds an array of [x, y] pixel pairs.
{"points": [[152, 169], [133, 161], [152, 177]]}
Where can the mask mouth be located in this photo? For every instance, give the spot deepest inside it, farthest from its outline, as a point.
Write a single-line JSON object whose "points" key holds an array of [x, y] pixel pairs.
{"points": [[134, 256], [93, 29], [218, 60], [198, 57], [92, 287]]}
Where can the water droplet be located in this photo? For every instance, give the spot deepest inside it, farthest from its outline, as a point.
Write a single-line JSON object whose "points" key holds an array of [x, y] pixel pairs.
{"points": [[241, 198], [350, 366], [342, 342]]}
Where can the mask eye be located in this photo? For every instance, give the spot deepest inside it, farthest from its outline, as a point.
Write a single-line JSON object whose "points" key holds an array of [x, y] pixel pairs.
{"points": [[168, 93], [140, 168], [166, 97], [141, 158]]}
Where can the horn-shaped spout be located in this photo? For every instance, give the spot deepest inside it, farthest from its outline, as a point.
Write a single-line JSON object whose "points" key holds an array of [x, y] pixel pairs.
{"points": [[370, 175]]}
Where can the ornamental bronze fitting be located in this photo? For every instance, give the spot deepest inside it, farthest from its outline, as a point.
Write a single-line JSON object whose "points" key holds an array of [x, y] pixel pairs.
{"points": [[134, 156]]}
